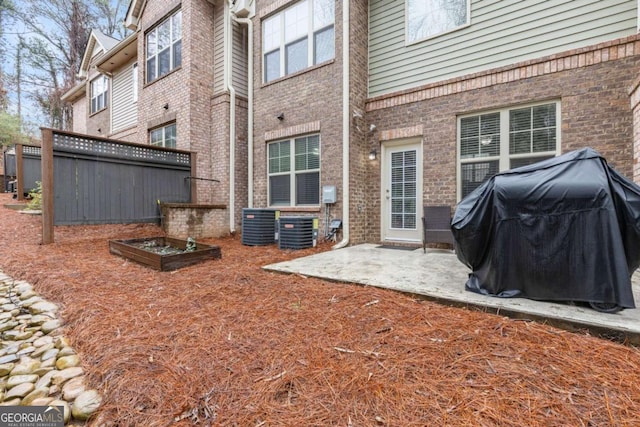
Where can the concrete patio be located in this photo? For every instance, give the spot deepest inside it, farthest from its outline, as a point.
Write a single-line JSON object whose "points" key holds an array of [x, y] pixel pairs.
{"points": [[438, 275]]}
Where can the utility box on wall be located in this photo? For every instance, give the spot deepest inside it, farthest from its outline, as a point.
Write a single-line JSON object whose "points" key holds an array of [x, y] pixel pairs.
{"points": [[328, 194]]}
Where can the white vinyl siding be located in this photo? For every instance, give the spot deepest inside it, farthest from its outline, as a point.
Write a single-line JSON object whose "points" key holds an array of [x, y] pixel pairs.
{"points": [[240, 55], [123, 112], [218, 48], [501, 32]]}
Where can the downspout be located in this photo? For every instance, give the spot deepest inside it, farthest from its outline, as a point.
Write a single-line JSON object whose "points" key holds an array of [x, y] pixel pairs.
{"points": [[232, 115], [346, 120], [249, 24]]}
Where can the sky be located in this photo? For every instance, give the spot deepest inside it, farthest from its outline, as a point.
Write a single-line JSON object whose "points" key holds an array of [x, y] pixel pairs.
{"points": [[30, 112], [12, 29]]}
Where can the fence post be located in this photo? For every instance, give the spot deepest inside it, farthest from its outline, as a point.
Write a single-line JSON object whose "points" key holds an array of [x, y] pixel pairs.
{"points": [[19, 172], [194, 173], [47, 186]]}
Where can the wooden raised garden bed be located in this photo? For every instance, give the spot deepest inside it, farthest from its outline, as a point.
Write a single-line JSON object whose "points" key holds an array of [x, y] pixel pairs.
{"points": [[163, 253]]}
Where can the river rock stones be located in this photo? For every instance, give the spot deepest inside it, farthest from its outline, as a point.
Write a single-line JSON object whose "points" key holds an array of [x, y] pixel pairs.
{"points": [[38, 366]]}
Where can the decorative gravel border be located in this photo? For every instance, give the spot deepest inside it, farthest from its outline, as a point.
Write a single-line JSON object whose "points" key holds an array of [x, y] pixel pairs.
{"points": [[38, 367]]}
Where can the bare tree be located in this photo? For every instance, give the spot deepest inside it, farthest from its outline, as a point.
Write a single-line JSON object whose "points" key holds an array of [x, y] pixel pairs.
{"points": [[58, 32], [112, 15], [4, 99]]}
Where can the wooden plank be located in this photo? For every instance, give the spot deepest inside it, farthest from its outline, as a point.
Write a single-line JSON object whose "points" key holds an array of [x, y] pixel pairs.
{"points": [[20, 172], [47, 186], [126, 249]]}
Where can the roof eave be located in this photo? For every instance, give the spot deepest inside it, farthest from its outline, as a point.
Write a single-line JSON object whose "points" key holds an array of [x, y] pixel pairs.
{"points": [[133, 14], [120, 54], [75, 92]]}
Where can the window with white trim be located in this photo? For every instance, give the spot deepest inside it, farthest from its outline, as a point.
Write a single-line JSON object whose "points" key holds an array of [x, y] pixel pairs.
{"points": [[164, 136], [428, 18], [495, 141], [294, 172], [164, 47], [99, 93], [298, 37]]}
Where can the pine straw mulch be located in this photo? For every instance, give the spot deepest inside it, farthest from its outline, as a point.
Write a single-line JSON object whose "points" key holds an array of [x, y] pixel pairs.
{"points": [[226, 343]]}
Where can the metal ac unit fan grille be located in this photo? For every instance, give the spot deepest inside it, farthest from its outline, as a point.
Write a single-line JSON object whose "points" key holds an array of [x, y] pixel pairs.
{"points": [[296, 232], [258, 227]]}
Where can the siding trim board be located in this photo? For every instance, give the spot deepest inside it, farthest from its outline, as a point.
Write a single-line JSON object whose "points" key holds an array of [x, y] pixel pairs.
{"points": [[572, 59]]}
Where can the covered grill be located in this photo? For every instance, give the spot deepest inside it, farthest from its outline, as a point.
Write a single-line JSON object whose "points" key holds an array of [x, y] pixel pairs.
{"points": [[565, 229]]}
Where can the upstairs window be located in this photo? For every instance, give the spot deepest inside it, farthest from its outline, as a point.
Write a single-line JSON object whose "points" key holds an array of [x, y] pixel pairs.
{"points": [[500, 140], [428, 18], [99, 93], [164, 47], [164, 136], [294, 172], [298, 37]]}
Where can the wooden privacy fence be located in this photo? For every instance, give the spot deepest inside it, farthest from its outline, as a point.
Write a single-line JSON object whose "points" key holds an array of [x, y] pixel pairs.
{"points": [[89, 180], [27, 169]]}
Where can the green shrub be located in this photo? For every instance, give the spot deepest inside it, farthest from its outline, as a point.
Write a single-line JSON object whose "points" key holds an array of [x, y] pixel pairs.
{"points": [[35, 204]]}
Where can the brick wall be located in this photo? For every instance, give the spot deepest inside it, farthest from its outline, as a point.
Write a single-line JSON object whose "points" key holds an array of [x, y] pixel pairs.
{"points": [[97, 124], [171, 89], [313, 95], [592, 85], [197, 221], [361, 142], [129, 134], [80, 111], [201, 117], [634, 94]]}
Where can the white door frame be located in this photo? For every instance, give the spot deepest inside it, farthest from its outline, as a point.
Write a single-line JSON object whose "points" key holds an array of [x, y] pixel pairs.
{"points": [[388, 233]]}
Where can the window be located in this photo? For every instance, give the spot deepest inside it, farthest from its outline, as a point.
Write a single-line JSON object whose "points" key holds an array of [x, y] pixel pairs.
{"points": [[294, 172], [427, 18], [164, 47], [163, 136], [298, 37], [134, 82], [496, 141], [99, 92]]}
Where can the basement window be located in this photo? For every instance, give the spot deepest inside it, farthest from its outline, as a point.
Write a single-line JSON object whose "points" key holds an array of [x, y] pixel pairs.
{"points": [[164, 136], [294, 172]]}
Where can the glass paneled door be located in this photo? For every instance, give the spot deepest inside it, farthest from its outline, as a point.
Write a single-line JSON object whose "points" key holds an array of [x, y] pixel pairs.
{"points": [[402, 192]]}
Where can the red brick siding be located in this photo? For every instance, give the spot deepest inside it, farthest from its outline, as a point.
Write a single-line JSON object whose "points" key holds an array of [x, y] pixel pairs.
{"points": [[594, 104], [361, 139], [314, 94]]}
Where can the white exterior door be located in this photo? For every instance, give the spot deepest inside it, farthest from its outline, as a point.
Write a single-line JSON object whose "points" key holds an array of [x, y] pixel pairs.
{"points": [[402, 191]]}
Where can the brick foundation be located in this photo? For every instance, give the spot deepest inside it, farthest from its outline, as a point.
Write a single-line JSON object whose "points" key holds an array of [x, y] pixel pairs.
{"points": [[184, 220]]}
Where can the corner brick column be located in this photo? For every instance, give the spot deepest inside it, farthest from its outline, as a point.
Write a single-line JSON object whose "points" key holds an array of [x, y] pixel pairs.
{"points": [[634, 95]]}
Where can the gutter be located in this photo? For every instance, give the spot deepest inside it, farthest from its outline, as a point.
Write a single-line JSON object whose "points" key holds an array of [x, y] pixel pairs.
{"points": [[249, 24], [346, 120], [228, 74]]}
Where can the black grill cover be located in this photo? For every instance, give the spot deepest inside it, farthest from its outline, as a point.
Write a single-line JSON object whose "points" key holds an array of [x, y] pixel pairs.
{"points": [[564, 229]]}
